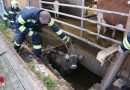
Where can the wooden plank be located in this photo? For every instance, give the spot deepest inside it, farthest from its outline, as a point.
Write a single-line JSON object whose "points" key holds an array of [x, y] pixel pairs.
{"points": [[103, 55]]}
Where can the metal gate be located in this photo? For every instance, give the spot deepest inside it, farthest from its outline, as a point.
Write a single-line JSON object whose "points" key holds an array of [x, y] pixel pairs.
{"points": [[82, 19]]}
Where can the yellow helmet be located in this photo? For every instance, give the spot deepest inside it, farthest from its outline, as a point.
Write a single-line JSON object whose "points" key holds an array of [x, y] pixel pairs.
{"points": [[14, 2]]}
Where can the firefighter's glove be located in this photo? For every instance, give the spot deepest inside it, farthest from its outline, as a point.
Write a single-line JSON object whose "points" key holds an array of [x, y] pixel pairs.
{"points": [[67, 40]]}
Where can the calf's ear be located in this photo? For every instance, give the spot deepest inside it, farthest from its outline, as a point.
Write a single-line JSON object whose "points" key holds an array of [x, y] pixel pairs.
{"points": [[80, 57]]}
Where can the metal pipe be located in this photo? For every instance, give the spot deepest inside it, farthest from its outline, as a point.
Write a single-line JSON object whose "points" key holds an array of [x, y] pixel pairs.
{"points": [[82, 22], [80, 18], [88, 8], [88, 31], [119, 62]]}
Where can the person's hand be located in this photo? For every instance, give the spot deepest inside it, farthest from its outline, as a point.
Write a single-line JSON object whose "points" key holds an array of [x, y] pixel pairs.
{"points": [[67, 40]]}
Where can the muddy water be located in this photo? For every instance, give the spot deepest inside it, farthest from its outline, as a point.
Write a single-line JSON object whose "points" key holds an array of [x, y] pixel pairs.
{"points": [[82, 78]]}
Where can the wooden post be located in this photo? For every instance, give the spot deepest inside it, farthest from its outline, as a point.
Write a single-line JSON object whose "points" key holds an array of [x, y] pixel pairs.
{"points": [[127, 26]]}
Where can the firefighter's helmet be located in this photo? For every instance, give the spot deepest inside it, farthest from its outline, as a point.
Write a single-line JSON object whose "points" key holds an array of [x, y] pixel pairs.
{"points": [[14, 3]]}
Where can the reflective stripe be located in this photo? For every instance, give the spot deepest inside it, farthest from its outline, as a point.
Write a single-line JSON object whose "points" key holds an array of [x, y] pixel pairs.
{"points": [[28, 20], [126, 43], [64, 38], [20, 19], [31, 20], [68, 39], [16, 43], [59, 32], [51, 23], [22, 28], [37, 46], [5, 18], [30, 33], [10, 12], [6, 13], [11, 21]]}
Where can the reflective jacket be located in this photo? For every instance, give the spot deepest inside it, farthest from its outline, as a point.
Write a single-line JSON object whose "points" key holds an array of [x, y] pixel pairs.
{"points": [[28, 19], [11, 13]]}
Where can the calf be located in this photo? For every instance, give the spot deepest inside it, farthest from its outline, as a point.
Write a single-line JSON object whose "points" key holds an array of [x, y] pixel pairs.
{"points": [[64, 63], [112, 19], [56, 8]]}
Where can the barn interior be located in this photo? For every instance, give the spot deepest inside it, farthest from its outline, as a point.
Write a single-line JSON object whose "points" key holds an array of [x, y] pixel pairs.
{"points": [[81, 25]]}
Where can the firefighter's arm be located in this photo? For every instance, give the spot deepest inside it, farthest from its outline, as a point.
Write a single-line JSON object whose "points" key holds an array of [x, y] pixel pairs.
{"points": [[6, 15], [20, 22], [58, 31], [125, 45]]}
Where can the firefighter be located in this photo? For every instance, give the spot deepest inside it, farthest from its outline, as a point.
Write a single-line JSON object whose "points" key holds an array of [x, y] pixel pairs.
{"points": [[29, 22], [125, 45], [11, 12]]}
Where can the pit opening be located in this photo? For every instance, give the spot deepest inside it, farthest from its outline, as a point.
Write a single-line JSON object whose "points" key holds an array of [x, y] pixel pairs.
{"points": [[82, 78]]}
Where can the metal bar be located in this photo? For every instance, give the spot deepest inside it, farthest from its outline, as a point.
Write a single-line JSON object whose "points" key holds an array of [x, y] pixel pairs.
{"points": [[90, 32], [88, 8], [80, 18], [84, 40], [82, 22]]}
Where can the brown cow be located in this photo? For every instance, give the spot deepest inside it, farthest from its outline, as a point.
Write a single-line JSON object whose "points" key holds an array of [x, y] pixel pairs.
{"points": [[112, 19]]}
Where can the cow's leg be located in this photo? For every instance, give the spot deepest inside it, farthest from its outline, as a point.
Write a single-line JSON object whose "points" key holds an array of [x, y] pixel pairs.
{"points": [[114, 33], [104, 28], [114, 30], [99, 18], [98, 29]]}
